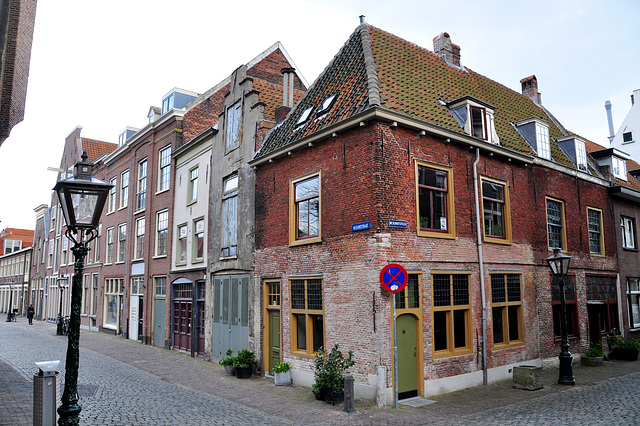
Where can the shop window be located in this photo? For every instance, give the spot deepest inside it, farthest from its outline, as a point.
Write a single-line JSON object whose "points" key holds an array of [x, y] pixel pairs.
{"points": [[307, 317], [451, 315], [506, 309]]}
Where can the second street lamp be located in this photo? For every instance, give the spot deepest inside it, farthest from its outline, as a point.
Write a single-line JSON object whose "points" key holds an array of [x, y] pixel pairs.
{"points": [[82, 198], [559, 265]]}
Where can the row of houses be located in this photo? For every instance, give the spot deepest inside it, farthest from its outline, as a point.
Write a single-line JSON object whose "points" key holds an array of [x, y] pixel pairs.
{"points": [[259, 215]]}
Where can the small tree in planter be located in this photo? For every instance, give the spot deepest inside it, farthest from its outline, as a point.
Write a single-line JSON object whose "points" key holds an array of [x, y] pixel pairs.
{"points": [[282, 373], [244, 362], [594, 356], [227, 363], [329, 369]]}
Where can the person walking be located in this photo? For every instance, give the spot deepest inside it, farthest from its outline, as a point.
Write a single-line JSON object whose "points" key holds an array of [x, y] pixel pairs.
{"points": [[30, 312]]}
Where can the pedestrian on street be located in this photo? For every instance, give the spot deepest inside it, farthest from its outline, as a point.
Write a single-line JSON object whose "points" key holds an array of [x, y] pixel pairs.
{"points": [[30, 312]]}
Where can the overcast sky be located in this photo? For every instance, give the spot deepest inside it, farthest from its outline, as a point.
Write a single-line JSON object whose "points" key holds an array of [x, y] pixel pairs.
{"points": [[100, 65]]}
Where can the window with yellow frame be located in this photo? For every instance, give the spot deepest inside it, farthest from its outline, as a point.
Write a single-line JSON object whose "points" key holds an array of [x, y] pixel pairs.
{"points": [[307, 316], [434, 201], [596, 235], [305, 210], [451, 309], [496, 211], [506, 309]]}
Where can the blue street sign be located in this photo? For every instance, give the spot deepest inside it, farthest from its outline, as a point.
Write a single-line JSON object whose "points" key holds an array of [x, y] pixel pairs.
{"points": [[360, 226], [397, 223]]}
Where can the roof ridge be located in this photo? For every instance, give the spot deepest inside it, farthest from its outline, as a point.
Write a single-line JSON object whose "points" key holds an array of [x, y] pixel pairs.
{"points": [[373, 82]]}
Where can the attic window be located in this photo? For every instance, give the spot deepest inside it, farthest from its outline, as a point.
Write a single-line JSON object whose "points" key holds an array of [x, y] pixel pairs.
{"points": [[542, 141], [627, 137], [167, 103], [475, 118], [305, 116], [581, 156], [619, 168], [478, 122], [326, 104]]}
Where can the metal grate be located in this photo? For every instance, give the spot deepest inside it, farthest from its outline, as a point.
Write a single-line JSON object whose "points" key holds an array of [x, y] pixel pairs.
{"points": [[297, 294], [460, 290], [497, 289], [441, 290], [513, 288]]}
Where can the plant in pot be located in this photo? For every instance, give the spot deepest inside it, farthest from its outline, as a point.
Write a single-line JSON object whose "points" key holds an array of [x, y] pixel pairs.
{"points": [[329, 369], [594, 356], [227, 363], [244, 362], [621, 348], [282, 372]]}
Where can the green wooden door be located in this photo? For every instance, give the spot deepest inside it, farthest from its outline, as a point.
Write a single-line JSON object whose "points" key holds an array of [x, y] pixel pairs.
{"points": [[274, 339], [407, 356]]}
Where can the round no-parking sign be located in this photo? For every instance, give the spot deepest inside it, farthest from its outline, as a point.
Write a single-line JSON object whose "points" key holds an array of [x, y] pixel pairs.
{"points": [[394, 278]]}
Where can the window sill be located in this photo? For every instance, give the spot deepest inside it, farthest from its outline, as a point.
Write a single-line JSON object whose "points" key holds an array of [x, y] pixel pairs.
{"points": [[198, 260], [181, 263], [137, 260], [431, 234], [302, 354], [162, 191], [501, 346], [448, 354], [596, 255], [630, 249], [120, 262], [123, 207], [305, 241], [110, 213], [159, 256], [139, 211], [191, 202], [228, 257], [502, 241]]}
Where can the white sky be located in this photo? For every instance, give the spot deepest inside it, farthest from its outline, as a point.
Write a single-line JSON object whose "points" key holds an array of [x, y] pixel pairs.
{"points": [[101, 65]]}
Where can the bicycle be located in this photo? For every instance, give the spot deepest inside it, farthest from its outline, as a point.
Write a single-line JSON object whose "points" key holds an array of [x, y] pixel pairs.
{"points": [[65, 326]]}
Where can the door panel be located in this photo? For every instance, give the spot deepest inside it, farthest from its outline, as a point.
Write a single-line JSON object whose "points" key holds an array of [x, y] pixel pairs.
{"points": [[274, 343], [158, 321], [407, 356], [230, 314]]}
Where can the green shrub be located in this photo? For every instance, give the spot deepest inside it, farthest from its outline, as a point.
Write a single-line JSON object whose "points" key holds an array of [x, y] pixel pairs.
{"points": [[229, 360], [245, 358], [329, 368], [595, 350]]}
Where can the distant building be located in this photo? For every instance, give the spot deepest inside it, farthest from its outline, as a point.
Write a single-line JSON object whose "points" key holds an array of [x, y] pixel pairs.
{"points": [[627, 139], [14, 239], [17, 18]]}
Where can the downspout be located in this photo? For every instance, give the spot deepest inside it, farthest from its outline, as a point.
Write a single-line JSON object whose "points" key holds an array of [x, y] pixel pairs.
{"points": [[480, 267]]}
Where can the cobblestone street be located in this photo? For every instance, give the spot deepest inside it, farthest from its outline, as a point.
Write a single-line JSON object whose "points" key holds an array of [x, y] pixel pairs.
{"points": [[122, 382]]}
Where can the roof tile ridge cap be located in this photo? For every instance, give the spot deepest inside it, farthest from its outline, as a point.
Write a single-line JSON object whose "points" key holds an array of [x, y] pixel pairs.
{"points": [[370, 66], [555, 121]]}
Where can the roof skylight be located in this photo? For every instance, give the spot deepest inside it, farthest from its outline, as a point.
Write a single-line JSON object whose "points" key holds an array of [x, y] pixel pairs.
{"points": [[305, 116], [327, 104]]}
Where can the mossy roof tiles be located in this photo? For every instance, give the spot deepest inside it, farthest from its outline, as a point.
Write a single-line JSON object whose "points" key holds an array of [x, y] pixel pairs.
{"points": [[410, 80], [95, 148]]}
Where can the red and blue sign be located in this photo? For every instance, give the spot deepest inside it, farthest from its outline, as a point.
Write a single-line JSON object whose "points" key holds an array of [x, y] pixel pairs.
{"points": [[394, 278]]}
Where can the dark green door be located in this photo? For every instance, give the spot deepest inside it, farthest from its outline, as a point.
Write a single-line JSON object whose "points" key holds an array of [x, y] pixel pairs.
{"points": [[274, 339], [407, 356]]}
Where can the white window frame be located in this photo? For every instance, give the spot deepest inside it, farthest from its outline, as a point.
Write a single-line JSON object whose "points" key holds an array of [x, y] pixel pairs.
{"points": [[198, 229], [121, 254], [182, 241], [192, 187], [138, 251], [112, 195], [124, 189], [542, 141], [108, 256], [141, 191], [633, 297], [162, 225], [230, 187], [628, 232], [164, 169], [581, 156]]}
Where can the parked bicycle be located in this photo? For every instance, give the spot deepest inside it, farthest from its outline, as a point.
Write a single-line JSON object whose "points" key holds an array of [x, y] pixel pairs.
{"points": [[65, 326]]}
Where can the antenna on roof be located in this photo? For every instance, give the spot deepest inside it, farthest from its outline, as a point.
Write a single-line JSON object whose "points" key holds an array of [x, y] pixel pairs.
{"points": [[362, 21]]}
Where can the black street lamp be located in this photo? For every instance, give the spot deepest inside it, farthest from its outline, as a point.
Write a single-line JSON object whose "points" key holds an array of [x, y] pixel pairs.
{"points": [[9, 310], [59, 326], [82, 198], [559, 264]]}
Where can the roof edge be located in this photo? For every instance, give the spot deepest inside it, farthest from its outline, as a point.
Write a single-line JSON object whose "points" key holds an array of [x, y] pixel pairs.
{"points": [[370, 65]]}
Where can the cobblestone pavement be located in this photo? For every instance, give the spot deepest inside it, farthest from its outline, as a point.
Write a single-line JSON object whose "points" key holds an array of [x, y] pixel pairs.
{"points": [[122, 382]]}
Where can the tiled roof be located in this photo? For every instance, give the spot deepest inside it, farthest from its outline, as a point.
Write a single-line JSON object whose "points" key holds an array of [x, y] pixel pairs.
{"points": [[631, 182], [95, 148], [411, 80], [271, 95]]}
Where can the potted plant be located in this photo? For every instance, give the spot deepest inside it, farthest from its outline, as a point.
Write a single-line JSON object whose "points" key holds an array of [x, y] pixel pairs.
{"points": [[227, 363], [282, 373], [244, 362], [329, 369], [594, 356], [621, 348]]}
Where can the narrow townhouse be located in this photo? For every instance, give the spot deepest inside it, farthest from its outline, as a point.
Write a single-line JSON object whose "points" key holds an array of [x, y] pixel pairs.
{"points": [[400, 155]]}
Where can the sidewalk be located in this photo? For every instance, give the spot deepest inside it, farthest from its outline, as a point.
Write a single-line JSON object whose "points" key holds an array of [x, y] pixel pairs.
{"points": [[291, 403]]}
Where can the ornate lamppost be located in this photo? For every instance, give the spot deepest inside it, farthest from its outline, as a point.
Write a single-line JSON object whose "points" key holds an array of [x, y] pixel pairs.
{"points": [[9, 309], [59, 326], [82, 198], [559, 264]]}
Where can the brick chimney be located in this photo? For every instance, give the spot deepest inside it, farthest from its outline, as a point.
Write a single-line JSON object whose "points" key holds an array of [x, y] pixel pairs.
{"points": [[530, 89], [448, 51]]}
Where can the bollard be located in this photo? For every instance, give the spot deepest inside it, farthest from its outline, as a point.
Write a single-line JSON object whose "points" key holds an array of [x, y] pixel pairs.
{"points": [[45, 388], [349, 397], [381, 396]]}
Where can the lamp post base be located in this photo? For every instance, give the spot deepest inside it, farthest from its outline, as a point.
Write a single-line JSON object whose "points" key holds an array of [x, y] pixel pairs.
{"points": [[69, 415], [566, 370], [59, 327]]}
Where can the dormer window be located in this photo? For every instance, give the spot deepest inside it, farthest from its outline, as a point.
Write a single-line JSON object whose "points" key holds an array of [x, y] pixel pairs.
{"points": [[478, 118], [542, 140], [126, 134], [619, 168], [581, 156], [167, 103], [536, 132], [475, 118], [305, 116]]}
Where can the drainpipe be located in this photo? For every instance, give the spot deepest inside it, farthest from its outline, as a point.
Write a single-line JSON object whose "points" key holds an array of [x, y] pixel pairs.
{"points": [[481, 267]]}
